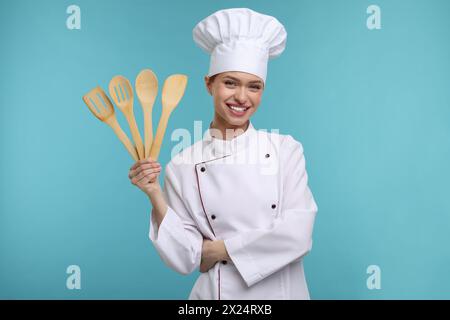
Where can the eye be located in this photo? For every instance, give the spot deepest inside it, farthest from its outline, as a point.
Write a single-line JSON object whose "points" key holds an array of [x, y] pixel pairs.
{"points": [[229, 83], [255, 87]]}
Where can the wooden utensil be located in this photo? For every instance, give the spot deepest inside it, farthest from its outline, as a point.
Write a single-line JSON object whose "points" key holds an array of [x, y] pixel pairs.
{"points": [[100, 105], [122, 94], [172, 92], [147, 89]]}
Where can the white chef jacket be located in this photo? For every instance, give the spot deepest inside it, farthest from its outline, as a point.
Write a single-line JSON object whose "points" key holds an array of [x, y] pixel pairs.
{"points": [[251, 192]]}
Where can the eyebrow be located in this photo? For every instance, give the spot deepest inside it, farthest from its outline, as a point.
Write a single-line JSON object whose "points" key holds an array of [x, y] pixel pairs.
{"points": [[236, 79]]}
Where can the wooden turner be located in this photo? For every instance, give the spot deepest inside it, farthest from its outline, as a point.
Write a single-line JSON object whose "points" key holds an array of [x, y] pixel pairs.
{"points": [[172, 92], [147, 90], [100, 105], [122, 94]]}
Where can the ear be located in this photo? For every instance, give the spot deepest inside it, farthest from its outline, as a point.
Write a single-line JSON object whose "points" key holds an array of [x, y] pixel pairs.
{"points": [[208, 85]]}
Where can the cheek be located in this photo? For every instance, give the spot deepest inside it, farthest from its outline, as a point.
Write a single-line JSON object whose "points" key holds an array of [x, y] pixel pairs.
{"points": [[219, 102], [222, 94], [256, 98]]}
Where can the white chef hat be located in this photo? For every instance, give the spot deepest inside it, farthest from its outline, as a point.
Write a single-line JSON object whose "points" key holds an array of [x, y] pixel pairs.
{"points": [[240, 39]]}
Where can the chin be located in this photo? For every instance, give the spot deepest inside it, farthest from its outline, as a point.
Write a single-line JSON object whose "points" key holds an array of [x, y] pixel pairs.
{"points": [[237, 122]]}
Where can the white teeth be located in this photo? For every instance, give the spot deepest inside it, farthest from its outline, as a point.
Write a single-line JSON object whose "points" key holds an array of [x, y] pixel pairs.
{"points": [[238, 108]]}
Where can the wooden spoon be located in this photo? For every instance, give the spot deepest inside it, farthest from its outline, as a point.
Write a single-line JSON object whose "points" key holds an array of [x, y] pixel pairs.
{"points": [[172, 92], [100, 105], [122, 94], [147, 90]]}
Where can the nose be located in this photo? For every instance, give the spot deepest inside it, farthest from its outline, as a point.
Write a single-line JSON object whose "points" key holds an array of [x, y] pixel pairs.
{"points": [[240, 96]]}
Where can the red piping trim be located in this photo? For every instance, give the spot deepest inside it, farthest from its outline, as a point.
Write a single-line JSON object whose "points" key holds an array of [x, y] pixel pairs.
{"points": [[219, 282], [204, 211], [201, 201]]}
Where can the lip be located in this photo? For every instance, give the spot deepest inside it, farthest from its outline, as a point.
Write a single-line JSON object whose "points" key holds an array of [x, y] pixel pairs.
{"points": [[236, 113]]}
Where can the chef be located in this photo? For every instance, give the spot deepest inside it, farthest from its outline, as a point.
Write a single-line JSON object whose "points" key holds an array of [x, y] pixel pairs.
{"points": [[236, 205]]}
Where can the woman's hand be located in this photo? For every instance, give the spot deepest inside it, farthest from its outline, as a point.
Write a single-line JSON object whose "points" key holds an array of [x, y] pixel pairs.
{"points": [[144, 174], [212, 252]]}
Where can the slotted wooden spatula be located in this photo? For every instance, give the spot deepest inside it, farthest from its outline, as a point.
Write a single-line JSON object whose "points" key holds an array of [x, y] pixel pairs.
{"points": [[147, 90], [100, 105], [122, 94], [172, 92]]}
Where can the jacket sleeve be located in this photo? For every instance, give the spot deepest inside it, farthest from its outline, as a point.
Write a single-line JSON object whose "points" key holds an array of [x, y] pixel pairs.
{"points": [[177, 240], [259, 253]]}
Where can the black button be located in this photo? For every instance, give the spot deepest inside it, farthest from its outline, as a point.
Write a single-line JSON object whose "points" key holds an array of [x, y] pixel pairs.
{"points": [[267, 155], [224, 262], [274, 206], [202, 169], [213, 216]]}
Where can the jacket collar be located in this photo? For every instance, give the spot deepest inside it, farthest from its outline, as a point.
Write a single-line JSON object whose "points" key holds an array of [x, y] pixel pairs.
{"points": [[216, 147]]}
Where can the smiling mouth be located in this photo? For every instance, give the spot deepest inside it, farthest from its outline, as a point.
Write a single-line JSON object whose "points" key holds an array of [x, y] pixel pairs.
{"points": [[237, 109]]}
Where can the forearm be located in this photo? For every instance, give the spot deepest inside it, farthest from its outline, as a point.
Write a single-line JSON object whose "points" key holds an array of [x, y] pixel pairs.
{"points": [[221, 251], [159, 204], [215, 250]]}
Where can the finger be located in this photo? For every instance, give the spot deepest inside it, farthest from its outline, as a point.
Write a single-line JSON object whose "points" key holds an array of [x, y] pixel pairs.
{"points": [[135, 179], [146, 180], [141, 168], [145, 166], [205, 266], [143, 161], [202, 266], [143, 179], [136, 164], [146, 173]]}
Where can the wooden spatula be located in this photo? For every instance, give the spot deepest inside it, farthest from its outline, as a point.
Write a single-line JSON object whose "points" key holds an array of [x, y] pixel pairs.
{"points": [[122, 94], [172, 92], [147, 90], [100, 105]]}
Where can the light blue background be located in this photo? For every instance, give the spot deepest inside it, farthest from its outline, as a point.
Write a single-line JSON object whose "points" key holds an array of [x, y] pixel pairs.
{"points": [[372, 109]]}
